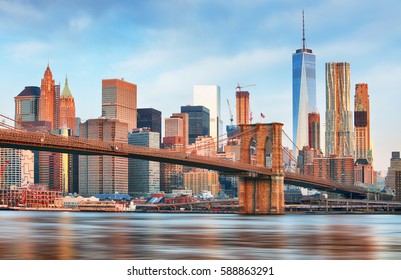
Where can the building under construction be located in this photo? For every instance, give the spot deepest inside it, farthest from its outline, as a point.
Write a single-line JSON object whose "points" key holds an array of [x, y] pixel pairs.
{"points": [[36, 196]]}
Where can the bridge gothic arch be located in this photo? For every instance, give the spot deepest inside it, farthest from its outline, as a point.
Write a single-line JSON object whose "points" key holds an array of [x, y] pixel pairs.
{"points": [[261, 145]]}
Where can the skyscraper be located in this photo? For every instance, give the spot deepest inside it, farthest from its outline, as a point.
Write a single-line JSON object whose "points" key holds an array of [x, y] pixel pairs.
{"points": [[171, 175], [198, 121], [174, 126], [242, 107], [143, 175], [17, 167], [362, 123], [47, 100], [103, 174], [314, 130], [303, 91], [57, 106], [119, 101], [27, 105], [185, 127], [395, 165], [339, 129], [209, 96], [67, 109], [152, 118]]}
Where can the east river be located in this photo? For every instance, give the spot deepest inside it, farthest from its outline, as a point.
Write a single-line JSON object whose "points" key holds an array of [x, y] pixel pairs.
{"points": [[78, 235]]}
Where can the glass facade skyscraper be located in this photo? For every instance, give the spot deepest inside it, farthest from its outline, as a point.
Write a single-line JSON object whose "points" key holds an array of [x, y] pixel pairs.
{"points": [[303, 93], [198, 120], [149, 117]]}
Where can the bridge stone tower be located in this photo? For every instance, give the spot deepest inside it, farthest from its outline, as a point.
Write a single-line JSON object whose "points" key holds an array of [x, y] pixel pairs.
{"points": [[261, 145]]}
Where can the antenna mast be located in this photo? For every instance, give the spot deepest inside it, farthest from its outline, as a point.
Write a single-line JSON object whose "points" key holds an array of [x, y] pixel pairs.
{"points": [[303, 31]]}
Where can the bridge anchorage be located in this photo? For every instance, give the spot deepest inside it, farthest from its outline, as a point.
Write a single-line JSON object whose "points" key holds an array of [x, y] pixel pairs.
{"points": [[262, 146]]}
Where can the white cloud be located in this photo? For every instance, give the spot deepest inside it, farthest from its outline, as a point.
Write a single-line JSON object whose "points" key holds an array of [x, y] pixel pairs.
{"points": [[27, 50], [170, 89], [80, 22], [18, 9]]}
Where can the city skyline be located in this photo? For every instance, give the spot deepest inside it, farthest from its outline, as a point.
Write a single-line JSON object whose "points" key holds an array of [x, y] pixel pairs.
{"points": [[167, 47]]}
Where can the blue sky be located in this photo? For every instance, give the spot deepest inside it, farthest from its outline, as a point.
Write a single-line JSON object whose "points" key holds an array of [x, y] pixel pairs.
{"points": [[166, 47]]}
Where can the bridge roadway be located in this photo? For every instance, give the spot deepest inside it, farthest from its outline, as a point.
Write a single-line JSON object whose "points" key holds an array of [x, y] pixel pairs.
{"points": [[42, 141]]}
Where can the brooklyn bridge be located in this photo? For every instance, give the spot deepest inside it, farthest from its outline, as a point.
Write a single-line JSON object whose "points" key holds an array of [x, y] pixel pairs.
{"points": [[261, 187]]}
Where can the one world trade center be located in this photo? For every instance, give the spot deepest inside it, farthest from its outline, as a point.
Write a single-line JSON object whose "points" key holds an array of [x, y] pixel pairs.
{"points": [[303, 92]]}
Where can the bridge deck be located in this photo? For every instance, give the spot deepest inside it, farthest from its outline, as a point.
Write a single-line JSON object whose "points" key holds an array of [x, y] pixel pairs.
{"points": [[50, 142]]}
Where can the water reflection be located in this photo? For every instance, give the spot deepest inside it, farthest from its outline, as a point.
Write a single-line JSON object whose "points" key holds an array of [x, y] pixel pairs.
{"points": [[50, 235]]}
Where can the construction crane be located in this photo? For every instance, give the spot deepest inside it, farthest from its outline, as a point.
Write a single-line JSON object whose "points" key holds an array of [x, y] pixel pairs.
{"points": [[231, 115], [239, 87]]}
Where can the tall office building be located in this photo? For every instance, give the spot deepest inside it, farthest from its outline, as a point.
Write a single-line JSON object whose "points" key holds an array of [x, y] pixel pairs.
{"points": [[60, 167], [17, 168], [119, 101], [67, 109], [57, 106], [242, 107], [339, 129], [314, 131], [362, 123], [209, 97], [171, 175], [152, 118], [303, 91], [174, 126], [395, 165], [185, 127], [176, 138], [103, 174], [48, 163], [143, 175], [397, 182], [27, 105], [198, 121], [47, 100], [340, 170]]}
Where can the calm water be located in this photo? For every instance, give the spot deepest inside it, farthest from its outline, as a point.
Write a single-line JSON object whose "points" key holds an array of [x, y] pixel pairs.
{"points": [[57, 235]]}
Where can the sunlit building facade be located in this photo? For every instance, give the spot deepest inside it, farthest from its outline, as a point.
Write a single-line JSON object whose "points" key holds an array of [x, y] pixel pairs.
{"points": [[314, 131], [339, 128], [242, 108], [171, 175], [119, 101], [103, 174], [340, 170], [200, 181], [48, 110], [185, 127], [67, 109], [362, 123]]}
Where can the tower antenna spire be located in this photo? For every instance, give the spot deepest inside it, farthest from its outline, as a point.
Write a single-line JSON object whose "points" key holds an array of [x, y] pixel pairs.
{"points": [[303, 31]]}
